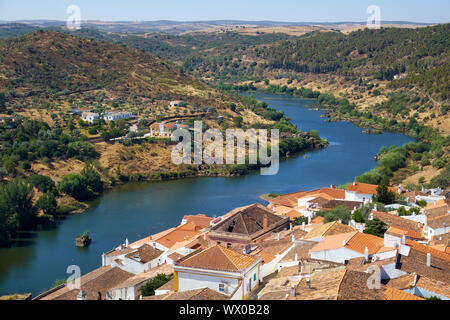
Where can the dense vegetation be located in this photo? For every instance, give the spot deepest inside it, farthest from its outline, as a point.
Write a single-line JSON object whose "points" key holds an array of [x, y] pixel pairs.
{"points": [[24, 141]]}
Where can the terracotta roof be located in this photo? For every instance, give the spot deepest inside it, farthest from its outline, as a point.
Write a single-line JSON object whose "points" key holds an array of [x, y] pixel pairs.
{"points": [[151, 238], [118, 252], [434, 286], [317, 220], [399, 232], [328, 229], [416, 261], [427, 249], [248, 220], [396, 221], [218, 258], [355, 241], [144, 254], [200, 220], [99, 280], [196, 294], [324, 286], [293, 214], [288, 200], [438, 222], [283, 210], [395, 294], [167, 286], [302, 252], [179, 234], [175, 256], [406, 281], [266, 257], [436, 204], [365, 188], [354, 287]]}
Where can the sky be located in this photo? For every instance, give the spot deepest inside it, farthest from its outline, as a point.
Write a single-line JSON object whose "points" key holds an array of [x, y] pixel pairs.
{"points": [[428, 11]]}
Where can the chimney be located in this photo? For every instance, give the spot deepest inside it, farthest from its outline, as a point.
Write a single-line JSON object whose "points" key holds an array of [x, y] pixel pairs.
{"points": [[375, 207], [418, 225], [344, 242], [278, 236], [265, 222], [332, 186], [428, 259], [296, 257], [400, 189], [404, 239], [308, 283], [434, 203], [293, 238], [303, 225], [340, 220], [354, 183], [126, 243], [366, 254], [293, 291], [103, 259], [309, 219]]}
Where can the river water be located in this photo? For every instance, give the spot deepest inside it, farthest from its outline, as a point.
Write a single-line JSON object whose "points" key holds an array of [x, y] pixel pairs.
{"points": [[137, 210]]}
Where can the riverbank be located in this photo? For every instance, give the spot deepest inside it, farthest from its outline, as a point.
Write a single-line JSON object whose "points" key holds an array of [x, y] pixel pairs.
{"points": [[435, 156], [135, 210]]}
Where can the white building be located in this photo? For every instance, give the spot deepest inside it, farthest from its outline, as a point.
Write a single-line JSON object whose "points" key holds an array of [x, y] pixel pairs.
{"points": [[364, 192], [90, 116], [343, 247], [177, 103], [437, 226], [218, 268], [117, 115], [134, 260]]}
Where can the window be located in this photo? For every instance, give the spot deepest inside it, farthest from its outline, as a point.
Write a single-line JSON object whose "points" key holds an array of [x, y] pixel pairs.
{"points": [[221, 287], [229, 245], [254, 277], [218, 242]]}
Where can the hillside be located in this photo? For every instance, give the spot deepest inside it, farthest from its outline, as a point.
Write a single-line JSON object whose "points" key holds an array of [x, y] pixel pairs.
{"points": [[57, 63]]}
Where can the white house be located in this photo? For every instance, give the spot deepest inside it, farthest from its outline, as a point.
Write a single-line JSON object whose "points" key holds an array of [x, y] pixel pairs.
{"points": [[363, 192], [177, 103], [90, 116], [343, 247], [116, 115], [437, 226], [134, 260], [218, 268]]}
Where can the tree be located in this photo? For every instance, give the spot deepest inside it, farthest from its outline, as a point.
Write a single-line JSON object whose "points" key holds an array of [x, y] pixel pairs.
{"points": [[47, 203], [299, 221], [358, 216], [74, 185], [339, 213], [237, 121], [149, 288], [384, 195], [376, 227], [42, 183], [16, 202], [2, 101], [92, 178]]}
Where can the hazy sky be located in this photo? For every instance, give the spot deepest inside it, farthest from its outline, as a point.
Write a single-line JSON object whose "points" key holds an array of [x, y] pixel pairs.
{"points": [[189, 10]]}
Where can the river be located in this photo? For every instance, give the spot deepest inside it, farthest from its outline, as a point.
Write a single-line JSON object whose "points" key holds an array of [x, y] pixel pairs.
{"points": [[136, 210]]}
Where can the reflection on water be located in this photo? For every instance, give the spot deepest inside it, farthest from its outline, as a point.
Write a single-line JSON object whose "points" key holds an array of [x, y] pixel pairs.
{"points": [[136, 210]]}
